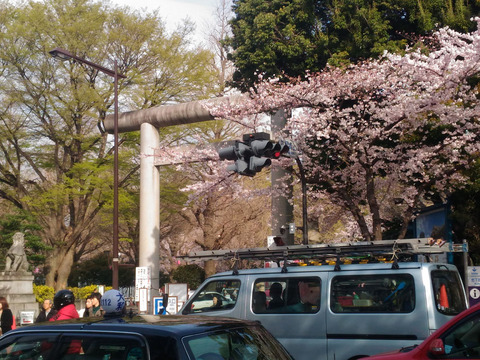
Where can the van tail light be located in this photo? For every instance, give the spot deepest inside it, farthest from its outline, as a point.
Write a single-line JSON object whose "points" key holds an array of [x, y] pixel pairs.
{"points": [[437, 347]]}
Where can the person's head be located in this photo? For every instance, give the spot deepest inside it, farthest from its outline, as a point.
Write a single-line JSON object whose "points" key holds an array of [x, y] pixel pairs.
{"points": [[88, 302], [96, 297], [3, 303], [47, 304], [217, 302], [276, 290], [309, 292], [63, 298]]}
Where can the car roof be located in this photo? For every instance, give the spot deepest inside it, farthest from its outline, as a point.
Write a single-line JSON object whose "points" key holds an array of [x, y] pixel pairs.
{"points": [[164, 325]]}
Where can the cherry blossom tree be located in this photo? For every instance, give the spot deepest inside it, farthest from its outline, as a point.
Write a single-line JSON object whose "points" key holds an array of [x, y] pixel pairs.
{"points": [[389, 132]]}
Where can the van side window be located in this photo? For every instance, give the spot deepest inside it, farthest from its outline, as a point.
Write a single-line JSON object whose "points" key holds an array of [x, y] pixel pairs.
{"points": [[215, 296], [448, 291], [393, 293], [286, 295]]}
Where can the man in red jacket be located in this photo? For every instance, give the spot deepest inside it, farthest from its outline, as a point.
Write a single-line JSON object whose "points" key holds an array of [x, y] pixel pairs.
{"points": [[64, 303]]}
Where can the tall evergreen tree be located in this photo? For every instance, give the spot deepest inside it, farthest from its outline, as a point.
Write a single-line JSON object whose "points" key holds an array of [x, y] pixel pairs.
{"points": [[278, 37], [273, 38]]}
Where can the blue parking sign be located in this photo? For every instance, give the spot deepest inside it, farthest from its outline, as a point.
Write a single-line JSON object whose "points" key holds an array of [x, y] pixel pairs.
{"points": [[158, 308]]}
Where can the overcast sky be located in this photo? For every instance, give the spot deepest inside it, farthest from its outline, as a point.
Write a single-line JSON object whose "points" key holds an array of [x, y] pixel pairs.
{"points": [[174, 11]]}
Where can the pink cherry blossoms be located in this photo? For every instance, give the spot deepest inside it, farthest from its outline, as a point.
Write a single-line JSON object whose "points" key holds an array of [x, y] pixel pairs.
{"points": [[393, 130]]}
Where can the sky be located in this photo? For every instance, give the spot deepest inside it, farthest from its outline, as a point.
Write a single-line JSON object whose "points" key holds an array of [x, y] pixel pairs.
{"points": [[174, 11]]}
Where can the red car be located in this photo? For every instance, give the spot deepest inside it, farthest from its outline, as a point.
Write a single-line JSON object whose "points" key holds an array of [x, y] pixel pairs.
{"points": [[457, 339]]}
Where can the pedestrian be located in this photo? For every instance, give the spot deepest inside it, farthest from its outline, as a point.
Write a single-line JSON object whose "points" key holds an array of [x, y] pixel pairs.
{"points": [[64, 303], [47, 311], [6, 316], [88, 307], [97, 310]]}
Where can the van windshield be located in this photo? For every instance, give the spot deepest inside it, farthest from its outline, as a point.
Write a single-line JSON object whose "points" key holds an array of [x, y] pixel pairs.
{"points": [[448, 291], [393, 293], [214, 296]]}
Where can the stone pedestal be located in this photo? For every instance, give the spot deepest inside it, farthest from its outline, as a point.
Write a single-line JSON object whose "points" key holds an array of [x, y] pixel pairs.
{"points": [[17, 288]]}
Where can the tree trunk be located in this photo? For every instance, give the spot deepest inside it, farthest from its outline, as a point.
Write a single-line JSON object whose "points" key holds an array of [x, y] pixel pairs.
{"points": [[407, 217], [210, 268], [209, 236], [373, 205], [357, 215], [59, 264]]}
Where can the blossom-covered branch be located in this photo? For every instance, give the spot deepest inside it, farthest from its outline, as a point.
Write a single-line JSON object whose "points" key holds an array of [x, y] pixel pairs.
{"points": [[412, 119]]}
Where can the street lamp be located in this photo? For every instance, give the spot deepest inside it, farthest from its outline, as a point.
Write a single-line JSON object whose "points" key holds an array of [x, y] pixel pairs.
{"points": [[65, 55]]}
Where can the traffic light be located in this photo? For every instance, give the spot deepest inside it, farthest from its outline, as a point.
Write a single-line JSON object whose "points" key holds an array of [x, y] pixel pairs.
{"points": [[240, 153], [253, 154], [279, 149]]}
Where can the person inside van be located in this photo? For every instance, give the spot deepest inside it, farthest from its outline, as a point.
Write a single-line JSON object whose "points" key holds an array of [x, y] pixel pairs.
{"points": [[309, 297], [276, 295], [259, 301]]}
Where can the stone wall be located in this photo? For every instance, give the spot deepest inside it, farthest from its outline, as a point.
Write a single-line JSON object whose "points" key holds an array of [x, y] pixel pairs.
{"points": [[17, 288]]}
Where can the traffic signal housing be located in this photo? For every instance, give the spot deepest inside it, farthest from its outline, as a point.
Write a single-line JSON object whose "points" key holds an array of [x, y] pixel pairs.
{"points": [[240, 153], [252, 154], [280, 149]]}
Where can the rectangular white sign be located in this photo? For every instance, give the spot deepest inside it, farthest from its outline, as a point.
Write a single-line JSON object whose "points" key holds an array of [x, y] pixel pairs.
{"points": [[143, 280], [172, 306], [143, 303]]}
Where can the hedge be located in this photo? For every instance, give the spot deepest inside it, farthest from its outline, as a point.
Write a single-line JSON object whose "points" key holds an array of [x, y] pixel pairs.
{"points": [[43, 292]]}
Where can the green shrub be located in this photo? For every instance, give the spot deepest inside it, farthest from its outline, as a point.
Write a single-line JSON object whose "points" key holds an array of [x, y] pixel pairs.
{"points": [[193, 275], [43, 292], [84, 292]]}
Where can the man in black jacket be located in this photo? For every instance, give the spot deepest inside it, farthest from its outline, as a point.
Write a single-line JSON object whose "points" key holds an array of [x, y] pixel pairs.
{"points": [[47, 311]]}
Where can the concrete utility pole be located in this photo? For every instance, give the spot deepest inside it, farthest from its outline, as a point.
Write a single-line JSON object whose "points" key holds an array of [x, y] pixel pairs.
{"points": [[282, 209]]}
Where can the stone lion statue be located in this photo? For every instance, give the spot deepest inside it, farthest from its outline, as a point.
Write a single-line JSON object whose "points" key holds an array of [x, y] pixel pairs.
{"points": [[16, 258]]}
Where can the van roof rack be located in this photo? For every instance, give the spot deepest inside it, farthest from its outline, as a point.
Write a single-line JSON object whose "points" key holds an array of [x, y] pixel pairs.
{"points": [[393, 248]]}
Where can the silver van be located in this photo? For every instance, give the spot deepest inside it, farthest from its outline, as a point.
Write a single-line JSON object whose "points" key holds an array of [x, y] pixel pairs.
{"points": [[338, 312]]}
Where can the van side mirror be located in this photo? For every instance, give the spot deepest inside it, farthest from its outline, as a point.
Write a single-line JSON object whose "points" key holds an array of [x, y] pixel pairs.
{"points": [[437, 347]]}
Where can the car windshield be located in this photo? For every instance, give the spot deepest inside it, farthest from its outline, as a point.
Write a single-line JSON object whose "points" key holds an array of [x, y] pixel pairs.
{"points": [[252, 343]]}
